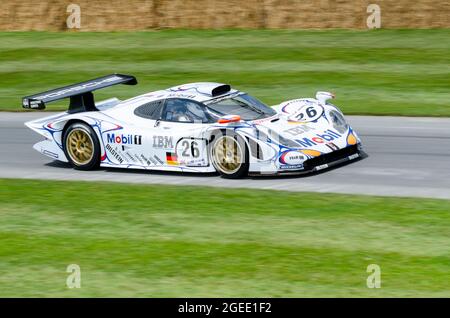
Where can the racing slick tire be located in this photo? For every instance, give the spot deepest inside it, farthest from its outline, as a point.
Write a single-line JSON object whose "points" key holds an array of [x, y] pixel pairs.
{"points": [[81, 146], [229, 155]]}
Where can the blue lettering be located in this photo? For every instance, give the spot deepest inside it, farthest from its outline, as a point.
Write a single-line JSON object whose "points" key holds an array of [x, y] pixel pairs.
{"points": [[333, 133], [328, 137], [305, 142]]}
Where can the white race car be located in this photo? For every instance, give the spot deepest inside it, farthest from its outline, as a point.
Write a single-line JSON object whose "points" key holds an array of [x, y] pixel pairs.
{"points": [[198, 127]]}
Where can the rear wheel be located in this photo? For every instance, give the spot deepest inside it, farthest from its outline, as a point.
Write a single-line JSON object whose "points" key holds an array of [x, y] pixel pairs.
{"points": [[229, 155], [81, 146]]}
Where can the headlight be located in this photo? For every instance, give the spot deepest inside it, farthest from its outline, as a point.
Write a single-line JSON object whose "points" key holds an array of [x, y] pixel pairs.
{"points": [[338, 121]]}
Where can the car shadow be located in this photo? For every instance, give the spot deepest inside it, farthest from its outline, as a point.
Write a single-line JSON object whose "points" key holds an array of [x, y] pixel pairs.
{"points": [[58, 164], [161, 173], [65, 165]]}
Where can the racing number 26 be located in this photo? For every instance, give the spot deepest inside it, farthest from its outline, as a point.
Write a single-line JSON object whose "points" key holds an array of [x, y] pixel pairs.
{"points": [[190, 149], [310, 113]]}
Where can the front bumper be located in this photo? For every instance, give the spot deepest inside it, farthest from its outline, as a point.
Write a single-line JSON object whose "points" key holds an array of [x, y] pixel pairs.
{"points": [[325, 161]]}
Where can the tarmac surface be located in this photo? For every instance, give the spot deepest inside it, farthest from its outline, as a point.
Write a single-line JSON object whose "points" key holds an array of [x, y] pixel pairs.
{"points": [[408, 156]]}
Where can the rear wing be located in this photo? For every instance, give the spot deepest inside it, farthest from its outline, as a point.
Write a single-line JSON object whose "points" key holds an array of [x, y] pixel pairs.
{"points": [[81, 97]]}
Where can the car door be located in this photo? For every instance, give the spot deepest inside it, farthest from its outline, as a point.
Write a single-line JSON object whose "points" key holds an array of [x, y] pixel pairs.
{"points": [[181, 134]]}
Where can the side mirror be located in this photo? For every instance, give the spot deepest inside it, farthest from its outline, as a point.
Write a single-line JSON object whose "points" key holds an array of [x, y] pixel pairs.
{"points": [[229, 119], [322, 97]]}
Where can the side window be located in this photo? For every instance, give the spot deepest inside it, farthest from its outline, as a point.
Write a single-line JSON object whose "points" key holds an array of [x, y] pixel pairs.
{"points": [[184, 111], [150, 110]]}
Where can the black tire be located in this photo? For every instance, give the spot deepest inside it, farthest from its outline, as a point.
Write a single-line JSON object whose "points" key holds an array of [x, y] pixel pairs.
{"points": [[88, 144], [241, 169]]}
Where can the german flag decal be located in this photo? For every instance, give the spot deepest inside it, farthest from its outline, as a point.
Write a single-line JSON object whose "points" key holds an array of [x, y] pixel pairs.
{"points": [[171, 159]]}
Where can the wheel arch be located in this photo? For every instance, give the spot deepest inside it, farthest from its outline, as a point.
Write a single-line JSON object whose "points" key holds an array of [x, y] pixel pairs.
{"points": [[86, 121], [72, 121], [223, 130]]}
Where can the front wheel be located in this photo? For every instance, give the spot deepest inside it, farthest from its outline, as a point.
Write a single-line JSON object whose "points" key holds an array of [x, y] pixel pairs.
{"points": [[229, 155], [81, 146]]}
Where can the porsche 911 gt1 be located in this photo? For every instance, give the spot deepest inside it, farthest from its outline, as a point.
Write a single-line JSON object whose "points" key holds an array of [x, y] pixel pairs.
{"points": [[199, 127]]}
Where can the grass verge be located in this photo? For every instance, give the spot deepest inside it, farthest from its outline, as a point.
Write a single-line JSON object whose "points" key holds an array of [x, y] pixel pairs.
{"points": [[167, 241], [382, 72]]}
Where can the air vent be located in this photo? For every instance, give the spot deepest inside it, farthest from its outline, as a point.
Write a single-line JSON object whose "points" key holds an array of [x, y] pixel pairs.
{"points": [[220, 90], [151, 110]]}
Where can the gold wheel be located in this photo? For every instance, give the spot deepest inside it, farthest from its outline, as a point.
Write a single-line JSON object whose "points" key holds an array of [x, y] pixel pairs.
{"points": [[80, 146], [227, 155]]}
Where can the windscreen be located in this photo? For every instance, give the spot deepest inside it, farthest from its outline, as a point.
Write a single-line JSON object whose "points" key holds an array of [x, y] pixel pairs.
{"points": [[244, 105]]}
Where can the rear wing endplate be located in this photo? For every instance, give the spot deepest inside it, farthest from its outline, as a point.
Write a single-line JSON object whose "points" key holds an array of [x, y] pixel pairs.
{"points": [[81, 97]]}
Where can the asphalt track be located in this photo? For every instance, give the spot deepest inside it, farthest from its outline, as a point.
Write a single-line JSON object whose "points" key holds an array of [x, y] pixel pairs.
{"points": [[407, 157]]}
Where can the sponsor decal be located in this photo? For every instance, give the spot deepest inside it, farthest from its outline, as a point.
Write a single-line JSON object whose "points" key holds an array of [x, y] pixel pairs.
{"points": [[114, 153], [164, 142], [78, 88], [193, 162], [327, 136], [146, 160], [124, 139], [158, 159], [181, 95], [34, 103], [153, 161], [296, 167], [49, 153], [291, 158], [130, 157], [332, 146], [171, 159], [299, 130], [321, 167], [137, 158], [182, 88]]}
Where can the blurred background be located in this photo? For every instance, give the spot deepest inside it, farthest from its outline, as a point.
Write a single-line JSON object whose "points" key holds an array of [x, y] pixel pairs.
{"points": [[388, 58], [114, 15]]}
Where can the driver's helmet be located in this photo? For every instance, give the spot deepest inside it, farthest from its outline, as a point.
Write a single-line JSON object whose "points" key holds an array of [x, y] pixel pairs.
{"points": [[179, 109], [179, 112]]}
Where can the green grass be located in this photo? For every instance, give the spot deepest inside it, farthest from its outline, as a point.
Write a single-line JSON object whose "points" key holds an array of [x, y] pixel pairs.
{"points": [[382, 72], [156, 241]]}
